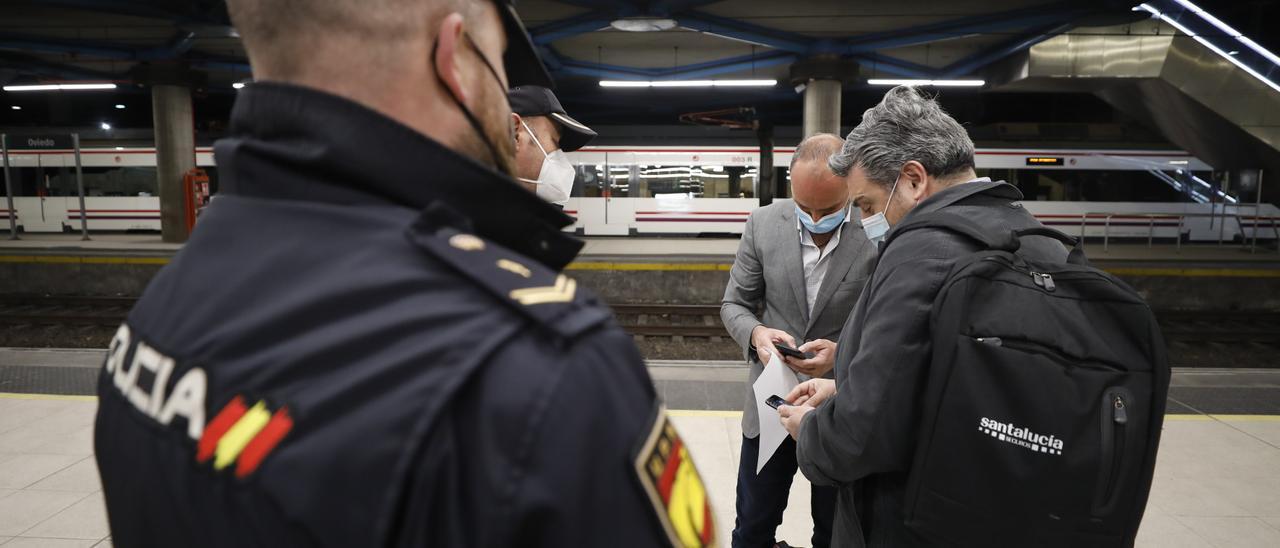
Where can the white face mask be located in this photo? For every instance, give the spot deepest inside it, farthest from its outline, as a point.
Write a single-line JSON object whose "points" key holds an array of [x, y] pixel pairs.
{"points": [[555, 180], [877, 226]]}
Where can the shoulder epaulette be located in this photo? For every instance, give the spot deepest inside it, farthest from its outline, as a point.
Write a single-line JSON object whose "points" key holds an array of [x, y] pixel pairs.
{"points": [[549, 297]]}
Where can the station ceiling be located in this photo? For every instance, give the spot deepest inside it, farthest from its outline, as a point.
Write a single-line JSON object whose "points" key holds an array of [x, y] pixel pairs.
{"points": [[119, 40]]}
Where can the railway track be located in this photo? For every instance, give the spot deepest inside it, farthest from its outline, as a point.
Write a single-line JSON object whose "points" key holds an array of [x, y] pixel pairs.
{"points": [[74, 311], [1195, 339]]}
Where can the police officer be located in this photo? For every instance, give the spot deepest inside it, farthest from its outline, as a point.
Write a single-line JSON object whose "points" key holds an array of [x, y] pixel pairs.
{"points": [[367, 341], [544, 133]]}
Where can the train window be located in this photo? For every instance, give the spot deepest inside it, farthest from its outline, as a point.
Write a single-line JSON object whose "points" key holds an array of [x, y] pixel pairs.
{"points": [[588, 181], [56, 180], [1091, 185], [113, 181], [680, 181]]}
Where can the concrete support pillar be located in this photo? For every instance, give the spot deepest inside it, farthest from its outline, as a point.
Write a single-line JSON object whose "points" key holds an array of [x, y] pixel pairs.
{"points": [[822, 107], [823, 78], [175, 155]]}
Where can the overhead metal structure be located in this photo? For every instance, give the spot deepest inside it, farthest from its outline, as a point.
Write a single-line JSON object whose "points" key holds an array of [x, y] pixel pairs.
{"points": [[197, 27], [1026, 26]]}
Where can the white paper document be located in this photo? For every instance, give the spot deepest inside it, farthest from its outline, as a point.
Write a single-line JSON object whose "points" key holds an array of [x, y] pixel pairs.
{"points": [[777, 379]]}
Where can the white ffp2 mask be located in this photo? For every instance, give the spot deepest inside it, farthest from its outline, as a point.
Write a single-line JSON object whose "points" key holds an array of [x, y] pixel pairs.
{"points": [[555, 179]]}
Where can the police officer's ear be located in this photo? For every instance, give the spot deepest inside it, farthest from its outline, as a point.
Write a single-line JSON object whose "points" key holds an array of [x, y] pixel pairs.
{"points": [[448, 48], [521, 138]]}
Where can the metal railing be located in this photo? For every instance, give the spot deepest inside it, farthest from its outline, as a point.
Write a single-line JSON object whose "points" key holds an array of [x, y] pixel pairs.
{"points": [[1272, 221]]}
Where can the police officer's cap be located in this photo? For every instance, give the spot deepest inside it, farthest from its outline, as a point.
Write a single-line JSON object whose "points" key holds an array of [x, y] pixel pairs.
{"points": [[521, 59], [540, 101]]}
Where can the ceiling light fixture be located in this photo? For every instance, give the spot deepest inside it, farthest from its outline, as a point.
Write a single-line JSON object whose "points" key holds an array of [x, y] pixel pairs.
{"points": [[105, 126], [1204, 15], [59, 87], [238, 85], [643, 24], [119, 106], [1257, 48], [686, 83], [914, 82], [16, 107]]}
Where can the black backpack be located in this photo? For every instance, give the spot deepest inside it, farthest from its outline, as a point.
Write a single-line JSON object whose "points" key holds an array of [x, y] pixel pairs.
{"points": [[1043, 404]]}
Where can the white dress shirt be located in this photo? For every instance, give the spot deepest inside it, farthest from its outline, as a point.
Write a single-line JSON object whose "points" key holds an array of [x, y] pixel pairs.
{"points": [[816, 260]]}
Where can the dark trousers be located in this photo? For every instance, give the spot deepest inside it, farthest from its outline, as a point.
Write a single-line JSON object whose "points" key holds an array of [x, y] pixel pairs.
{"points": [[763, 497]]}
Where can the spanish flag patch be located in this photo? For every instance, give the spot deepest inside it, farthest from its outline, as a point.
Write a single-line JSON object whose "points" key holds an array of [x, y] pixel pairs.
{"points": [[668, 475], [243, 435]]}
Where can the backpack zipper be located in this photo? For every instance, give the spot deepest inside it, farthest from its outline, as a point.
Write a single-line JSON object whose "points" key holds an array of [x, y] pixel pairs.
{"points": [[1042, 280], [1115, 416], [1047, 280], [1028, 346]]}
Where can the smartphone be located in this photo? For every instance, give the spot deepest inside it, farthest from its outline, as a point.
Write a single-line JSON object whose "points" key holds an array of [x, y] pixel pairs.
{"points": [[775, 401], [788, 351]]}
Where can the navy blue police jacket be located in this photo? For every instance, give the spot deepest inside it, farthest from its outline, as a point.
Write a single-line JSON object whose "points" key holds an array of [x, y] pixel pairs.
{"points": [[367, 342]]}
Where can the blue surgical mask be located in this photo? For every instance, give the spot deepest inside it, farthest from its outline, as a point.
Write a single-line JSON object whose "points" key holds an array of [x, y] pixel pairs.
{"points": [[823, 226], [877, 226]]}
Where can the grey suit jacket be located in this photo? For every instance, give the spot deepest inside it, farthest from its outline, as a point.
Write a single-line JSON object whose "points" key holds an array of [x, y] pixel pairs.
{"points": [[768, 277]]}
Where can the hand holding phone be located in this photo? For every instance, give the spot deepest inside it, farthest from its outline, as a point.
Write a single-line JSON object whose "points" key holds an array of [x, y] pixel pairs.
{"points": [[792, 352], [775, 401]]}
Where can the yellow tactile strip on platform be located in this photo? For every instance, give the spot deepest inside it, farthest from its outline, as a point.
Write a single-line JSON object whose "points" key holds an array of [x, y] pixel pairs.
{"points": [[81, 259], [1197, 272]]}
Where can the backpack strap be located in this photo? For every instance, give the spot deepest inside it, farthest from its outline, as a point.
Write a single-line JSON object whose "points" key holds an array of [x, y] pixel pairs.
{"points": [[1076, 256], [991, 240]]}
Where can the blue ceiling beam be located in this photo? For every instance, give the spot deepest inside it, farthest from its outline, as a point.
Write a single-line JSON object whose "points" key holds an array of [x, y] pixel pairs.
{"points": [[18, 42], [1019, 19], [176, 47], [745, 32], [180, 44], [229, 65], [550, 58], [733, 64], [693, 71], [591, 70], [895, 66], [667, 8], [32, 65], [1047, 20], [981, 59]]}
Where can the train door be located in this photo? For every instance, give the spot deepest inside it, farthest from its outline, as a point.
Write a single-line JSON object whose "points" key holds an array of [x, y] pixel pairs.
{"points": [[617, 206], [45, 210]]}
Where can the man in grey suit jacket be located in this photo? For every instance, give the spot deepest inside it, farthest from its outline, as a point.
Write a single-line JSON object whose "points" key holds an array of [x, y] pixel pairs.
{"points": [[803, 264]]}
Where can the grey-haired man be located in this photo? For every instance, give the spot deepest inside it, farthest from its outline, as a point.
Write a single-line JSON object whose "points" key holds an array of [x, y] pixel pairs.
{"points": [[906, 158]]}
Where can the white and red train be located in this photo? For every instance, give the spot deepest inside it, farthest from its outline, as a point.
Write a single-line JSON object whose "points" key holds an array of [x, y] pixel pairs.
{"points": [[691, 190]]}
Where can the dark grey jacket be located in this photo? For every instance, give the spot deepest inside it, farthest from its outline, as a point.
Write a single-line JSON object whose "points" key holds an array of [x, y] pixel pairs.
{"points": [[868, 430]]}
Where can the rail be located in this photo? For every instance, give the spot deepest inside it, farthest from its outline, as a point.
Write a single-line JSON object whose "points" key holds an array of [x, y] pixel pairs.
{"points": [[1256, 220]]}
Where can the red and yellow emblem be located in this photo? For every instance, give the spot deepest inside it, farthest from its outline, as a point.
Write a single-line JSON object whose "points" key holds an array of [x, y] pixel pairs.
{"points": [[242, 435], [669, 477]]}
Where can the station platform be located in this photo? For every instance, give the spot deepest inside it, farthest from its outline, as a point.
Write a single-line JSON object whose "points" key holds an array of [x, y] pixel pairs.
{"points": [[1215, 482]]}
